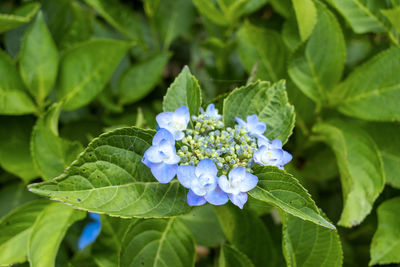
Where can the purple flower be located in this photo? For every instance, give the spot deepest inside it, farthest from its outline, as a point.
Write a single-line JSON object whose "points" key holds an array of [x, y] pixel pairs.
{"points": [[253, 126], [174, 122], [211, 111], [271, 153]]}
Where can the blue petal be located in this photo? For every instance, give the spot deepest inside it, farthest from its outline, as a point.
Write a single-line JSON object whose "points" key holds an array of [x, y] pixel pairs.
{"points": [[163, 134], [238, 172], [257, 156], [163, 119], [238, 199], [224, 184], [89, 234], [164, 173], [186, 175], [286, 158], [262, 141], [194, 200], [178, 135], [182, 111], [249, 182], [216, 197], [198, 188], [206, 167], [241, 122], [276, 143], [94, 216], [153, 155], [252, 119]]}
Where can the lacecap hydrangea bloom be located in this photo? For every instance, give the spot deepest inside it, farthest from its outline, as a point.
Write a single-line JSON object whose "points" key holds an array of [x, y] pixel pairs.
{"points": [[213, 162]]}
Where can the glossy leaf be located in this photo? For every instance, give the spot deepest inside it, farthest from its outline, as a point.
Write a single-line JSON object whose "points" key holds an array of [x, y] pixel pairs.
{"points": [[393, 15], [14, 99], [15, 156], [361, 183], [282, 190], [185, 90], [269, 102], [385, 246], [158, 243], [14, 195], [109, 177], [374, 84], [308, 244], [38, 60], [317, 66], [265, 49], [141, 78], [231, 257], [20, 17], [86, 68], [48, 231], [306, 14]]}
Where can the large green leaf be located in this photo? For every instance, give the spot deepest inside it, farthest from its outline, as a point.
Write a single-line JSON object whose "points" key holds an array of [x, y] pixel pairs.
{"points": [[307, 244], [393, 15], [306, 14], [317, 66], [268, 102], [141, 78], [231, 257], [86, 68], [203, 223], [265, 49], [51, 153], [15, 229], [14, 100], [211, 12], [158, 243], [372, 91], [358, 15], [248, 234], [20, 17], [38, 60], [14, 195], [48, 231], [109, 177], [185, 90], [15, 156], [360, 167], [385, 246], [282, 190]]}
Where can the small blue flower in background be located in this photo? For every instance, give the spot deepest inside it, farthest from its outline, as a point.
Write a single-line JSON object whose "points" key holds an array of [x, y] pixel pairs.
{"points": [[161, 157], [202, 182], [212, 112], [239, 183], [90, 231], [175, 122], [253, 126], [271, 153]]}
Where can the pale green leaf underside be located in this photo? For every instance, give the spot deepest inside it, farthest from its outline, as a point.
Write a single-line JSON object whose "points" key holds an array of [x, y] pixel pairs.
{"points": [[21, 16], [109, 177], [385, 246], [268, 102], [307, 244], [157, 243], [360, 167], [231, 257], [282, 190]]}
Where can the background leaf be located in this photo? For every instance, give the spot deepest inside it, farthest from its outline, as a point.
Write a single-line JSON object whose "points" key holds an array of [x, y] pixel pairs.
{"points": [[14, 195], [306, 14], [19, 17], [229, 256]]}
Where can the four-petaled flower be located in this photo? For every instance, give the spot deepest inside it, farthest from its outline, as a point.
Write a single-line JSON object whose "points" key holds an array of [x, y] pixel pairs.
{"points": [[253, 126], [212, 112], [202, 182], [271, 153], [239, 183], [161, 157], [175, 122]]}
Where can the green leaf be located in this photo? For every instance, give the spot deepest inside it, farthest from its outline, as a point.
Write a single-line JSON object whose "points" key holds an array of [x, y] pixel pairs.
{"points": [[15, 156], [231, 257], [38, 60], [393, 15], [48, 231], [86, 68], [263, 47], [51, 153], [385, 246], [306, 14], [358, 15], [372, 91], [185, 90], [282, 190], [385, 136], [173, 18], [317, 66], [158, 243], [141, 78], [109, 177], [20, 17], [248, 234], [12, 196], [14, 100], [360, 167], [15, 229], [268, 102], [203, 223], [211, 12], [307, 244]]}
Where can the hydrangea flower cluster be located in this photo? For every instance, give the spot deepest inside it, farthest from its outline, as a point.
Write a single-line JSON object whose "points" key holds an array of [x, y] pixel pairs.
{"points": [[213, 162]]}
